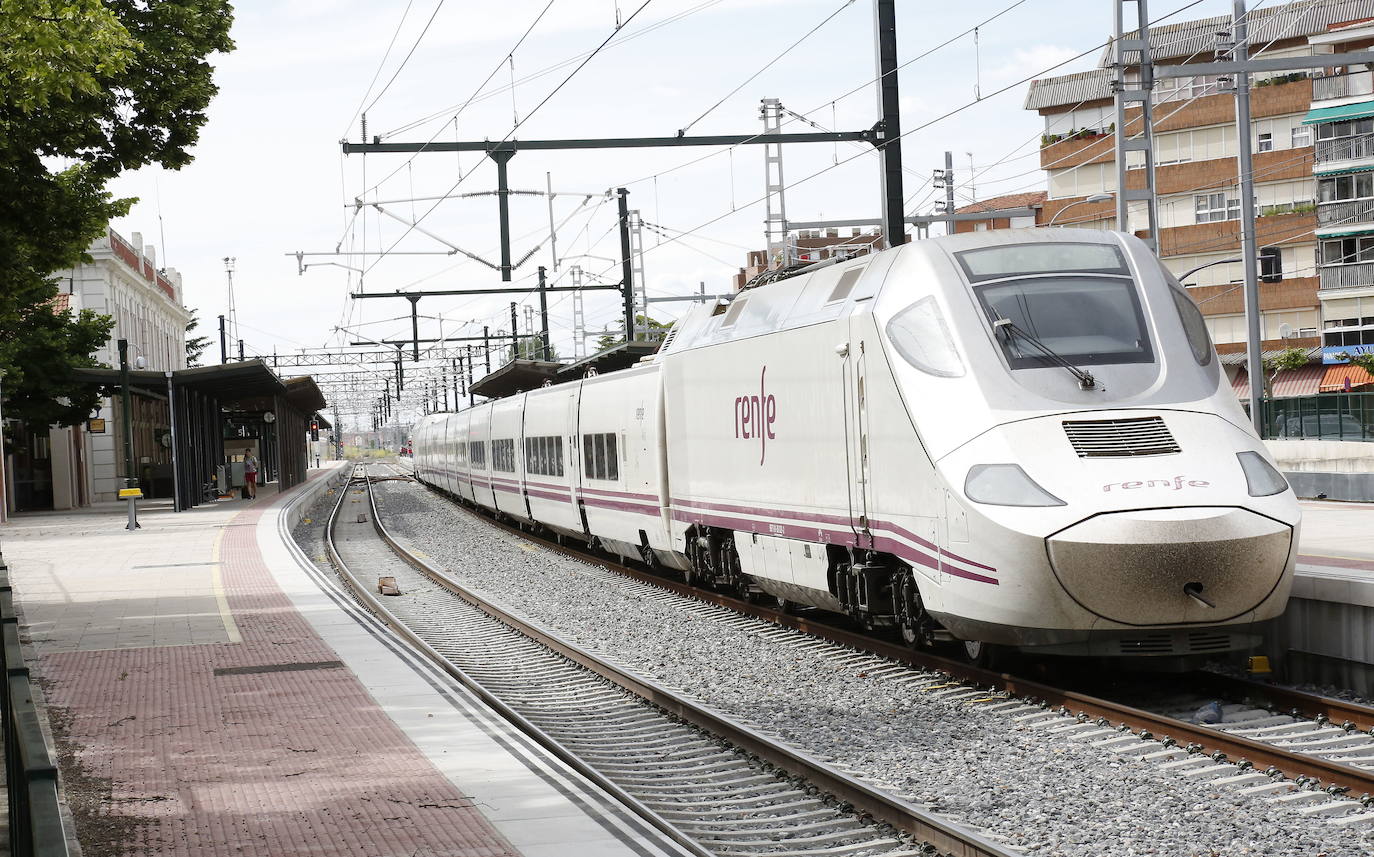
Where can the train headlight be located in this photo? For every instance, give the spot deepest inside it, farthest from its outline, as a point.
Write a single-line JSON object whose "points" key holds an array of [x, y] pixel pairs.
{"points": [[1260, 476], [1005, 485]]}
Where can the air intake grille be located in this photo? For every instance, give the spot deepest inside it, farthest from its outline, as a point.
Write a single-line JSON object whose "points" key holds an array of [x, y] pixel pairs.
{"points": [[1120, 438]]}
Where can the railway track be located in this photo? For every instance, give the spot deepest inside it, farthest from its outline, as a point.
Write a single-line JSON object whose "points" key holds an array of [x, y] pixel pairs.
{"points": [[1309, 752], [717, 785]]}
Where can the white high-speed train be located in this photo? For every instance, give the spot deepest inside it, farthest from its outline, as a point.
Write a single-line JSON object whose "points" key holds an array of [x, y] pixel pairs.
{"points": [[1021, 438]]}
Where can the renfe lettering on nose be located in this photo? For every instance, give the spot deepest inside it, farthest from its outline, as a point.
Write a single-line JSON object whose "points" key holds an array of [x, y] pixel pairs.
{"points": [[754, 416]]}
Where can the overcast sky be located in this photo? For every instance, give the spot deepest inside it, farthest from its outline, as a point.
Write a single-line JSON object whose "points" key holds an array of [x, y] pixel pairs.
{"points": [[269, 177]]}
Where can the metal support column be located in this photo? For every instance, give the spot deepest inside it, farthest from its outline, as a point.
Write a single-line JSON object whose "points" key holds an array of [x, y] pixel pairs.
{"points": [[775, 216], [889, 124], [503, 208], [544, 315], [949, 193], [414, 327], [1138, 94], [627, 285], [223, 343], [1249, 251], [514, 333]]}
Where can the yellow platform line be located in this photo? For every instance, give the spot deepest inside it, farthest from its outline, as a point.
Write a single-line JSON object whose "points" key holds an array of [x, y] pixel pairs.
{"points": [[231, 628]]}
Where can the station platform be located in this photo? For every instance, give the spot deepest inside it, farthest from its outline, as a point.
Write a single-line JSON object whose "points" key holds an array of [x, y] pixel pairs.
{"points": [[211, 693]]}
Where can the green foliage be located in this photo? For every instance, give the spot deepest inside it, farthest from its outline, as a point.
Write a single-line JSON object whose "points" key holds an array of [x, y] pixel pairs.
{"points": [[650, 330], [195, 346], [38, 349], [530, 348], [53, 51], [1364, 361], [88, 90], [1289, 358]]}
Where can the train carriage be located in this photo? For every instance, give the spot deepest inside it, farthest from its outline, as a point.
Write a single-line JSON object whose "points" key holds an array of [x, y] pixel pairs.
{"points": [[551, 461], [506, 426], [621, 476]]}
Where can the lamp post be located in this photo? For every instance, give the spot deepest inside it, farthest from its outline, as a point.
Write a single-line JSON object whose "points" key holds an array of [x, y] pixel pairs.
{"points": [[129, 494], [1097, 197], [4, 484]]}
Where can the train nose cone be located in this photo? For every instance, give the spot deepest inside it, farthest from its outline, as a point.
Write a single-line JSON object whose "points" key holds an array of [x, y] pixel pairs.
{"points": [[1171, 566]]}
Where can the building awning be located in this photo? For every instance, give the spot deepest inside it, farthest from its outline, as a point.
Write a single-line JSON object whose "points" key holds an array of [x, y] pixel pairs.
{"points": [[1339, 112], [1335, 378], [1343, 171], [1305, 381], [1345, 232], [1238, 358]]}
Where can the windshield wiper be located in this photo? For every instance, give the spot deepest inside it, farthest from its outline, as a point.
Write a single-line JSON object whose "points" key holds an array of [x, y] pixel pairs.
{"points": [[1010, 328]]}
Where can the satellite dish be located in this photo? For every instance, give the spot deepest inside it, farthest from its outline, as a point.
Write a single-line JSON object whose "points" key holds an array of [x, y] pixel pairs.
{"points": [[1285, 330]]}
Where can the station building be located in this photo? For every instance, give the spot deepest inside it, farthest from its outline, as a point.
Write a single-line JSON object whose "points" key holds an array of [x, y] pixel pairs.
{"points": [[187, 424], [62, 468]]}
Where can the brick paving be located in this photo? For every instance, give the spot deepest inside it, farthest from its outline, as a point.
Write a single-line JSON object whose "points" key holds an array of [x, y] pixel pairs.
{"points": [[263, 747]]}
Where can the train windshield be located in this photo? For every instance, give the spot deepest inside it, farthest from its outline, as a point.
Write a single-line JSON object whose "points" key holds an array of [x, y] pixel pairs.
{"points": [[1087, 321]]}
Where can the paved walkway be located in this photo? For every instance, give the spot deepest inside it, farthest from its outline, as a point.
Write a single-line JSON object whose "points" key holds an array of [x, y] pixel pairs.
{"points": [[210, 716]]}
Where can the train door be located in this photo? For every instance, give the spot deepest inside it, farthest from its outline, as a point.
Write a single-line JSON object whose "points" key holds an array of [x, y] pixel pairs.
{"points": [[574, 446], [857, 432]]}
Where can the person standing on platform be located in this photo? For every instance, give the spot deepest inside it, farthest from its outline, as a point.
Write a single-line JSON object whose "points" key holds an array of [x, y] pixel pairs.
{"points": [[250, 474]]}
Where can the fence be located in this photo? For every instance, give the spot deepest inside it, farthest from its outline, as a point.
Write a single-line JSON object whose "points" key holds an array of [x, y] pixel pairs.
{"points": [[1330, 416], [30, 775]]}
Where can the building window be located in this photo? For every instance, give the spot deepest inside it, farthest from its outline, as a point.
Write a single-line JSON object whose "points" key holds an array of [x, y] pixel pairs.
{"points": [[1214, 207], [544, 455], [1302, 136], [599, 457], [503, 455], [1337, 188], [1265, 143], [1345, 251]]}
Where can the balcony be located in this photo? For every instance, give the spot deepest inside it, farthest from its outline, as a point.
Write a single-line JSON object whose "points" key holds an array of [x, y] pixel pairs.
{"points": [[1345, 149], [1334, 214], [1349, 276], [1342, 86]]}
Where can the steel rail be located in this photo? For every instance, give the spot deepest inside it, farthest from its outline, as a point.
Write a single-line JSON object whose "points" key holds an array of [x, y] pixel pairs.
{"points": [[1206, 740], [378, 609], [946, 838]]}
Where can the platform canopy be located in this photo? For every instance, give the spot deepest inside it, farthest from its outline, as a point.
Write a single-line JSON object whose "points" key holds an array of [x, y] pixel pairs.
{"points": [[621, 356], [202, 400], [516, 376]]}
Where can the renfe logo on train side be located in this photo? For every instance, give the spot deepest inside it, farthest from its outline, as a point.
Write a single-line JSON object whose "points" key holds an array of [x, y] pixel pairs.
{"points": [[1174, 484], [754, 416]]}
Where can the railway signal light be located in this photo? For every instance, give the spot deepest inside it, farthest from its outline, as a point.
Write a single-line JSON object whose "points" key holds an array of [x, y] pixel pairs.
{"points": [[314, 429]]}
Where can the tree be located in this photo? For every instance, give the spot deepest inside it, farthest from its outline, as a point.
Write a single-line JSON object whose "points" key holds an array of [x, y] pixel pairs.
{"points": [[1289, 358], [197, 345], [530, 348], [649, 331], [107, 87]]}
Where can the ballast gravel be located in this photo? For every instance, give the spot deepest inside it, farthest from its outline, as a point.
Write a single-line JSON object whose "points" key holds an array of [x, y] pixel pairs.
{"points": [[1041, 793]]}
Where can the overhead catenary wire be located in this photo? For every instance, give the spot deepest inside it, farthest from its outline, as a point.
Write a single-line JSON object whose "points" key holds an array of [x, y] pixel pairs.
{"points": [[787, 50], [509, 134]]}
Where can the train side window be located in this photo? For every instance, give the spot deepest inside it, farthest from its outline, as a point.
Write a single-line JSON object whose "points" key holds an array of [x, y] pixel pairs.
{"points": [[1193, 325], [919, 334], [599, 456]]}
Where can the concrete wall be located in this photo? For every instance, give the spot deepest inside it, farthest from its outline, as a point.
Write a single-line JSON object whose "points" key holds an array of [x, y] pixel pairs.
{"points": [[1327, 634], [1323, 456]]}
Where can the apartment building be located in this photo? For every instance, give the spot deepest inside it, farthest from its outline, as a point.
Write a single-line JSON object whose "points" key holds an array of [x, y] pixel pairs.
{"points": [[1342, 116], [1195, 141]]}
